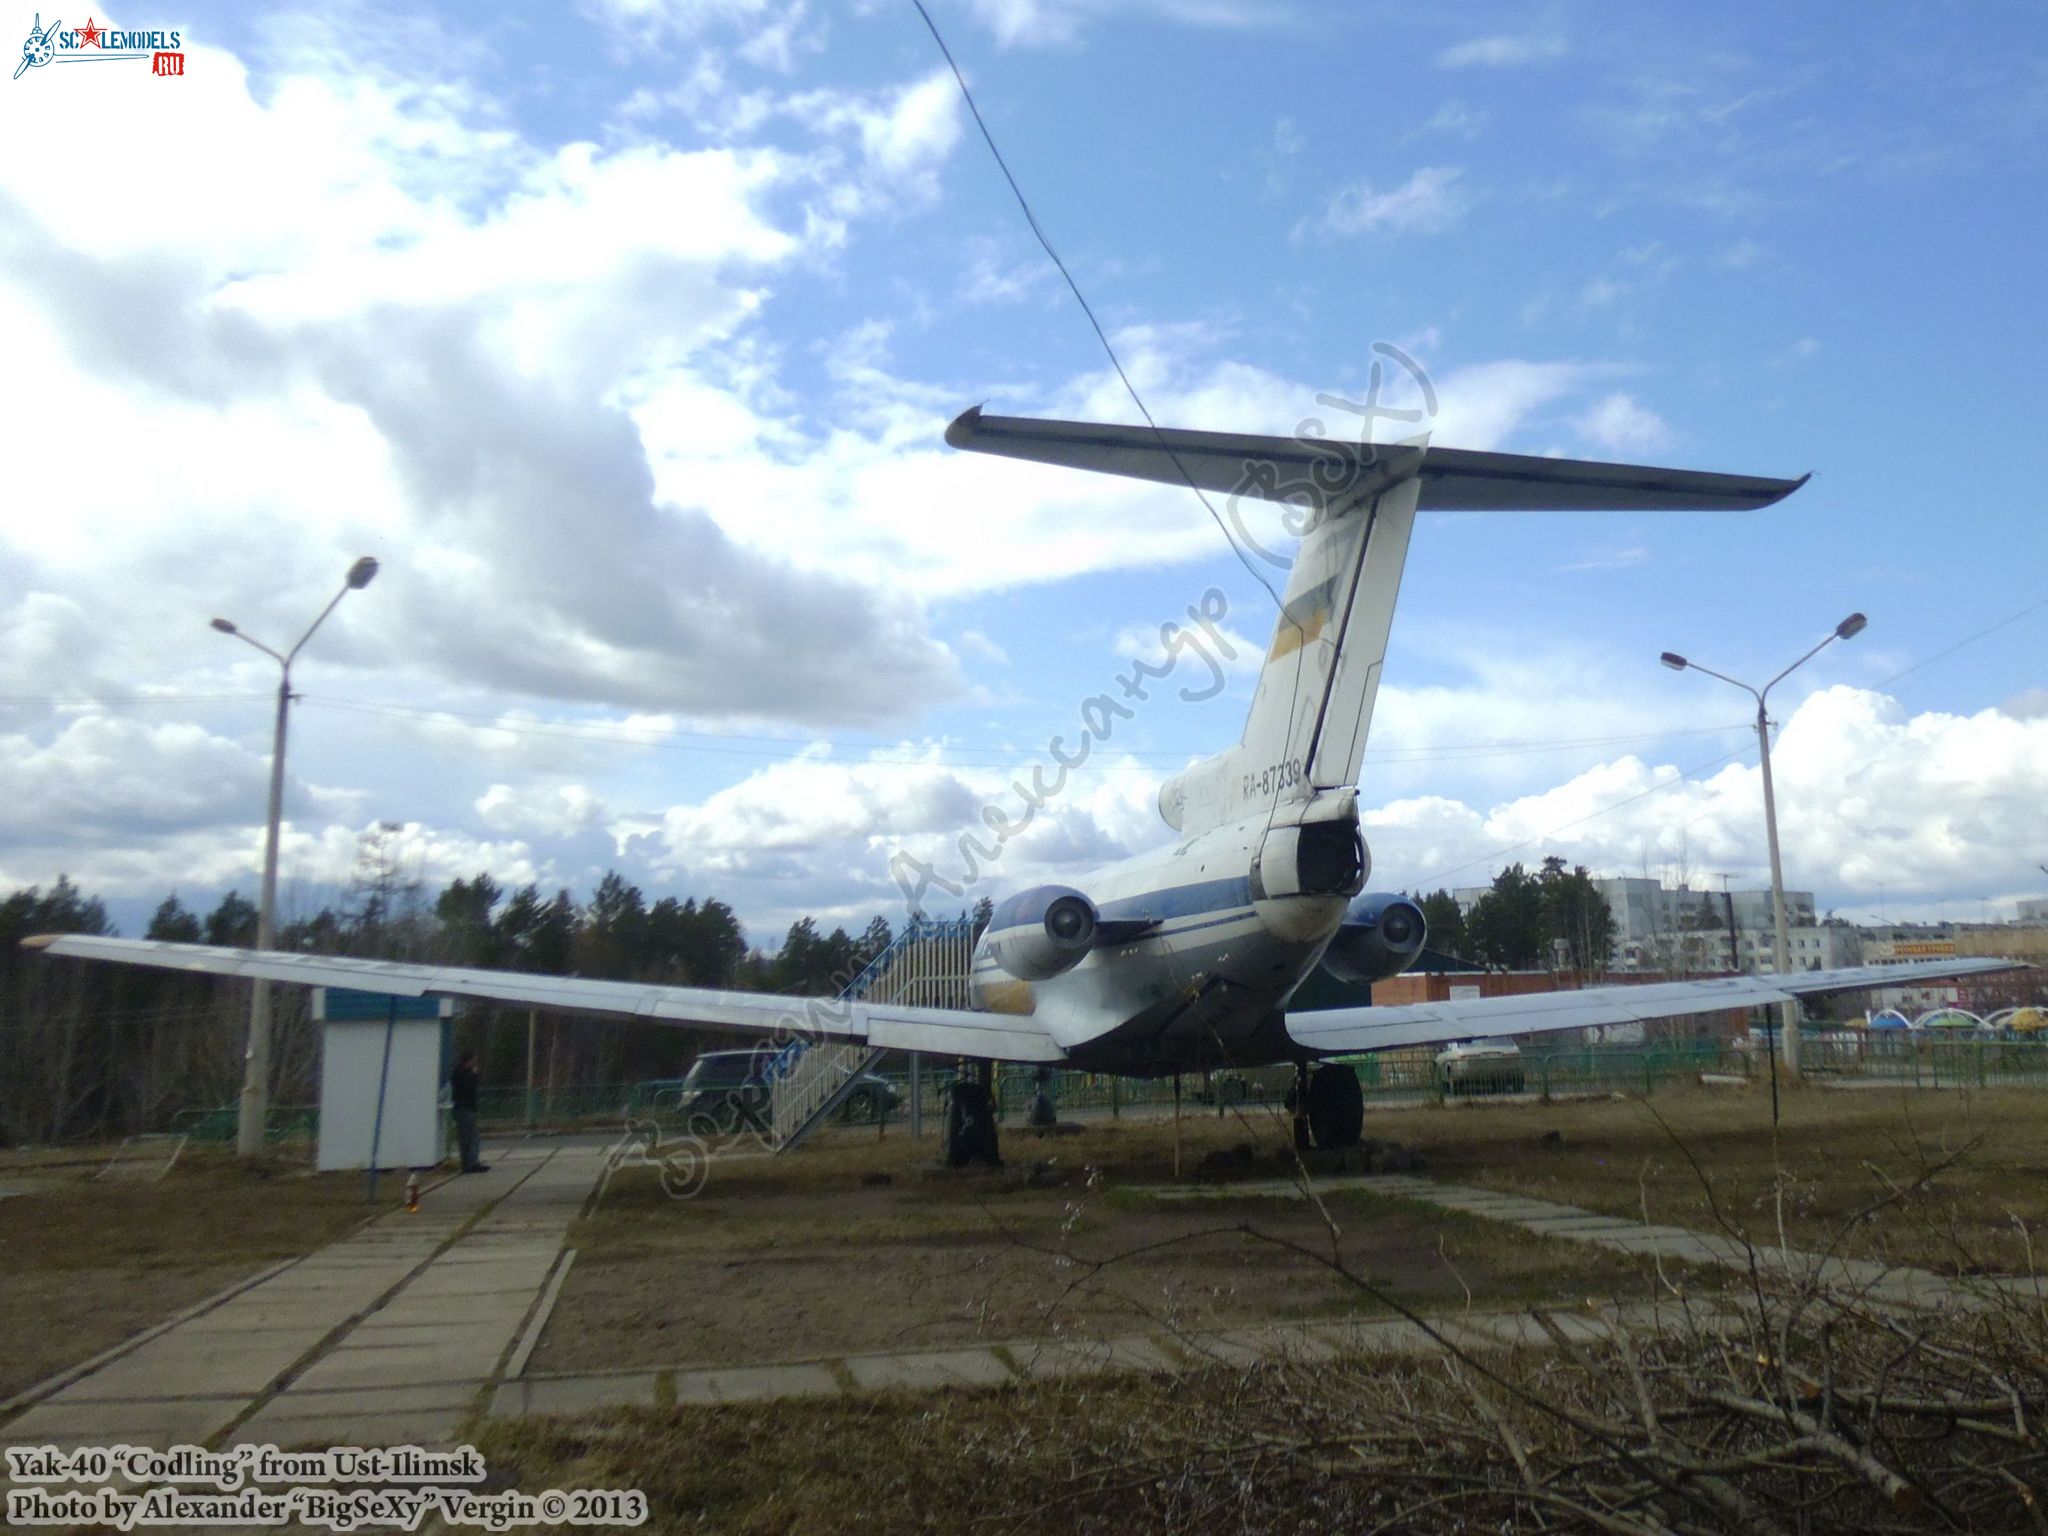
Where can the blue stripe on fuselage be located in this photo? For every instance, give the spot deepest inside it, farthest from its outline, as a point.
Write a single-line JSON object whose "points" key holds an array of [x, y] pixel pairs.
{"points": [[1204, 896], [1182, 900]]}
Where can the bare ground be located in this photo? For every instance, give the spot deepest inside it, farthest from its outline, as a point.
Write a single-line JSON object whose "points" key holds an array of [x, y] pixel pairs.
{"points": [[86, 1262], [816, 1254]]}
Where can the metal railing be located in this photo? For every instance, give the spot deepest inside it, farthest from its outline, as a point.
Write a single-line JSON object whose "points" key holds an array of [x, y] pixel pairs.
{"points": [[926, 966], [1916, 1060]]}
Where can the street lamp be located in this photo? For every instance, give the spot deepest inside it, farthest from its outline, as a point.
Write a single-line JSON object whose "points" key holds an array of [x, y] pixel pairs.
{"points": [[1847, 629], [255, 1103]]}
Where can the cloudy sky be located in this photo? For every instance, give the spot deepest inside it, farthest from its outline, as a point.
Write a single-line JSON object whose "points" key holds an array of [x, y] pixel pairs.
{"points": [[624, 338]]}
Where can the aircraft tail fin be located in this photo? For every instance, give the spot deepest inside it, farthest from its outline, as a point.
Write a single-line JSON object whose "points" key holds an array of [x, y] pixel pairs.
{"points": [[1306, 732]]}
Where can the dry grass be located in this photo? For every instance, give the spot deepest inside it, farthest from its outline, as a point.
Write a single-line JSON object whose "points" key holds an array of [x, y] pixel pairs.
{"points": [[1974, 1166], [852, 1247], [89, 1262]]}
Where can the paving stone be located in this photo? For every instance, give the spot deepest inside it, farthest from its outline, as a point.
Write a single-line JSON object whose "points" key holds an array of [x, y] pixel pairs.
{"points": [[1089, 1357], [755, 1383], [186, 1421], [1249, 1346], [362, 1366], [928, 1370], [430, 1429], [504, 1309], [174, 1365], [1522, 1328], [285, 1316], [299, 1403], [1397, 1336], [575, 1394]]}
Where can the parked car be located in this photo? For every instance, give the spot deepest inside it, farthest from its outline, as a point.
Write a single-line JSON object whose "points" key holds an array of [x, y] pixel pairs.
{"points": [[1481, 1066], [870, 1101], [725, 1090]]}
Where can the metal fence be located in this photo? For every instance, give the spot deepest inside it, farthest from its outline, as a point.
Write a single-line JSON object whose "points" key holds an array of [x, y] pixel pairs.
{"points": [[1390, 1077]]}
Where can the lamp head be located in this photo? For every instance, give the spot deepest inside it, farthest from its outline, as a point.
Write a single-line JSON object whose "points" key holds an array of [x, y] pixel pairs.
{"points": [[1850, 627], [1674, 661], [224, 626], [360, 573]]}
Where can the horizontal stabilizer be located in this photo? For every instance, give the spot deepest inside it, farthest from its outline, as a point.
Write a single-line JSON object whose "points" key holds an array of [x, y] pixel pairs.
{"points": [[1342, 1031], [1333, 474]]}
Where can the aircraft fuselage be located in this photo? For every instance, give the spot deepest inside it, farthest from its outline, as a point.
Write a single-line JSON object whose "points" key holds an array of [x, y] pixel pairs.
{"points": [[1204, 988]]}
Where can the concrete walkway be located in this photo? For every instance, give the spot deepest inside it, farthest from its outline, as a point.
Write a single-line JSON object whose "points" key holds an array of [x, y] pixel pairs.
{"points": [[1026, 1360], [1889, 1283], [386, 1337]]}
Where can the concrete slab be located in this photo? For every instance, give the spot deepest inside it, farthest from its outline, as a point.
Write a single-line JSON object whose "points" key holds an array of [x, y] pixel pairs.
{"points": [[755, 1383], [481, 1278], [929, 1370], [1090, 1357], [180, 1366], [1251, 1346], [1589, 1228], [300, 1404], [353, 1365], [1396, 1336], [1528, 1212], [1523, 1328], [429, 1429], [187, 1421], [576, 1394], [444, 1312]]}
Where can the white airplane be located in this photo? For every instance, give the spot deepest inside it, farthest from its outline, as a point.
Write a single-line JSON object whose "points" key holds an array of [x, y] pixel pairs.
{"points": [[1184, 959]]}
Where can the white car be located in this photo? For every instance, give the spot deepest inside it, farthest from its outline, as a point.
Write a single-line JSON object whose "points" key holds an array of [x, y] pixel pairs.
{"points": [[1481, 1066]]}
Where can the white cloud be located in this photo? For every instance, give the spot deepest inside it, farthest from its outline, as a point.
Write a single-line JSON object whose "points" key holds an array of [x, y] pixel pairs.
{"points": [[1428, 202], [1485, 404], [975, 643], [1934, 806], [1056, 23], [557, 810], [1455, 119], [1618, 423], [1503, 50]]}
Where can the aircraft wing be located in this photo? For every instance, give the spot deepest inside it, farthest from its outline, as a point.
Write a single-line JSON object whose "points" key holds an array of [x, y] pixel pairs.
{"points": [[895, 1026], [1342, 1031], [1327, 471]]}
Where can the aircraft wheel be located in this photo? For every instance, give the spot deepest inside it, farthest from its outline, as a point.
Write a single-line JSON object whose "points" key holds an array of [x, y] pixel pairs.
{"points": [[1336, 1107]]}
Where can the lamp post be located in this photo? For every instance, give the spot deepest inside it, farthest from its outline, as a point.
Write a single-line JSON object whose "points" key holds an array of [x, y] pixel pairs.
{"points": [[254, 1109], [1847, 629]]}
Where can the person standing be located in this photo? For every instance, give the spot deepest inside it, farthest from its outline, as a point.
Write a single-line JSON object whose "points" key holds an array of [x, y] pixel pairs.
{"points": [[462, 1090]]}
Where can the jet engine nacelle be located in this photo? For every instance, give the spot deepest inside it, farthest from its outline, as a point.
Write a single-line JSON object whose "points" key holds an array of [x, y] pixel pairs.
{"points": [[1039, 933], [1381, 936]]}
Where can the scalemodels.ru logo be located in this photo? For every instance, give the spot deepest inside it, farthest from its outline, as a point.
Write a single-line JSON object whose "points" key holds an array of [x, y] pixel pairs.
{"points": [[93, 43]]}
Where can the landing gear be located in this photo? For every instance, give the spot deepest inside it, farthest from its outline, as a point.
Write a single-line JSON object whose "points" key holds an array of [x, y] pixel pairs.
{"points": [[971, 1118], [1329, 1107], [1043, 1114]]}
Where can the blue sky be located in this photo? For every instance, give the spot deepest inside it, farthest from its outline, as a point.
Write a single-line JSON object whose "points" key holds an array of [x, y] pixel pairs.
{"points": [[624, 338]]}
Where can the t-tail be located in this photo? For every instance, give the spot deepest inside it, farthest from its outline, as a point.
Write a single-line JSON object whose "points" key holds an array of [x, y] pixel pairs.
{"points": [[1298, 761]]}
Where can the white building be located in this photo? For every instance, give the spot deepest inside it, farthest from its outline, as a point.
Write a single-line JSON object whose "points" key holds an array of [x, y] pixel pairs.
{"points": [[1682, 931]]}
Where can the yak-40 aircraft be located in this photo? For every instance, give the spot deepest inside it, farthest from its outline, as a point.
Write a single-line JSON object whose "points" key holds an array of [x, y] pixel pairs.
{"points": [[1185, 958]]}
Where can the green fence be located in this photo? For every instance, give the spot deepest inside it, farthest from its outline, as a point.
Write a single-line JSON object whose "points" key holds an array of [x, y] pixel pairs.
{"points": [[285, 1122], [1389, 1077]]}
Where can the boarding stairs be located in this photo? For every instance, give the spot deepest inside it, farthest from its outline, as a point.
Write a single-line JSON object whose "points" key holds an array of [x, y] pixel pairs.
{"points": [[926, 966]]}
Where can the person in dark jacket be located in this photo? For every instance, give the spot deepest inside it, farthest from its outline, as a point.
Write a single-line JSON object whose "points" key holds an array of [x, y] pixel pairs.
{"points": [[462, 1086]]}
